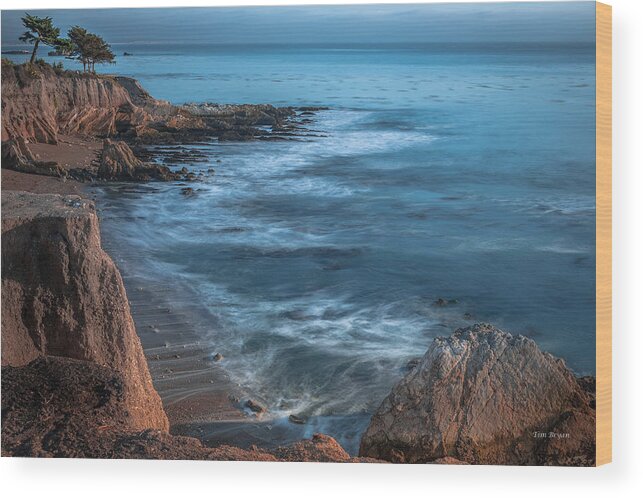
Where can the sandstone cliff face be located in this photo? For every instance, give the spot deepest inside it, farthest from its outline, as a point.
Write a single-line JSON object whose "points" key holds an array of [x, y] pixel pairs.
{"points": [[38, 105], [483, 396], [63, 296]]}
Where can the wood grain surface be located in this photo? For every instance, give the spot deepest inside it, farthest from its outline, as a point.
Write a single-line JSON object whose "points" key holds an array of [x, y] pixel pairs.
{"points": [[603, 233]]}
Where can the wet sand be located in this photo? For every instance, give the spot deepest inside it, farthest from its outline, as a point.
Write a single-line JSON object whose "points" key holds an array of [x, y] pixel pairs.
{"points": [[197, 393]]}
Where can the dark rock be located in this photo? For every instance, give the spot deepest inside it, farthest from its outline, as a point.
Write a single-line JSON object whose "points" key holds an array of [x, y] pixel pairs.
{"points": [[295, 419], [411, 364], [444, 302], [255, 407]]}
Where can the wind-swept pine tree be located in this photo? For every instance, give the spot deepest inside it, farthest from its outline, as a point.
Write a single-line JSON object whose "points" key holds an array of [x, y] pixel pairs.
{"points": [[39, 30]]}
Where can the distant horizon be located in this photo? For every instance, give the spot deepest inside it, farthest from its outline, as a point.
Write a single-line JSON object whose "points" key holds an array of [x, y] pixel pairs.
{"points": [[489, 23]]}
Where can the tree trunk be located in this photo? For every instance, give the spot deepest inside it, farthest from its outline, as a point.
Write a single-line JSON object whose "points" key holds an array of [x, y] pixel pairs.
{"points": [[35, 49]]}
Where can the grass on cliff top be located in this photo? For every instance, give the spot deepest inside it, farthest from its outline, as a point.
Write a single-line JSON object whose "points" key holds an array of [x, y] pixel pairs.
{"points": [[40, 68]]}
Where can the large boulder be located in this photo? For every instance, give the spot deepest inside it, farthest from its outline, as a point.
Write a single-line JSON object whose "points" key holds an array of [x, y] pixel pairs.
{"points": [[117, 161], [483, 396], [63, 296]]}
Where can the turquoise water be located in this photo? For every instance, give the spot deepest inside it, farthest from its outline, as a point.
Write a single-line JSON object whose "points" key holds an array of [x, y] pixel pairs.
{"points": [[461, 172]]}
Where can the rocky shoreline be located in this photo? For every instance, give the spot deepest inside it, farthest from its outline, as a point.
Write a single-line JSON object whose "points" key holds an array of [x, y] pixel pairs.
{"points": [[75, 379]]}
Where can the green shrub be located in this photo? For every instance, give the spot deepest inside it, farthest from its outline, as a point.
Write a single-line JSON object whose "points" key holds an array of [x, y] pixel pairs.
{"points": [[58, 68]]}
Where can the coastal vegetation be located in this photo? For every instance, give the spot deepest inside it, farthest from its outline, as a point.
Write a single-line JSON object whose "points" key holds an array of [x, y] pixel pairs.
{"points": [[39, 30], [87, 48]]}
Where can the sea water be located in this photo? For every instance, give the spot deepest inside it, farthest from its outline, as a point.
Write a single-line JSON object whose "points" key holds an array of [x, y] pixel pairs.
{"points": [[455, 171]]}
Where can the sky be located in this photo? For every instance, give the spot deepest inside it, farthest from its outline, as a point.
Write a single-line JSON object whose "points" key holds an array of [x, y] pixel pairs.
{"points": [[431, 23]]}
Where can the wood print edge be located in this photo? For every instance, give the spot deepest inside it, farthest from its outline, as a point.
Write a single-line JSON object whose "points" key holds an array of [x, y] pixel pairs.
{"points": [[603, 233]]}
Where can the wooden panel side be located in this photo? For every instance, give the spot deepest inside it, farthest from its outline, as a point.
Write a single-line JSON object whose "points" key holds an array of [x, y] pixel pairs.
{"points": [[603, 233]]}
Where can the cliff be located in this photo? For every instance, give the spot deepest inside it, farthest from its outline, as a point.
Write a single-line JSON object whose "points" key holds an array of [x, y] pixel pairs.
{"points": [[63, 296], [39, 104], [483, 396]]}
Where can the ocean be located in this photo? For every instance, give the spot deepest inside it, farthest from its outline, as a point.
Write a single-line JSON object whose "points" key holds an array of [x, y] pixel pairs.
{"points": [[461, 172]]}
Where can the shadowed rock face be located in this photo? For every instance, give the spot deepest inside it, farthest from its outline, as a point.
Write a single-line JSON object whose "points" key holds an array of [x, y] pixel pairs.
{"points": [[59, 407], [63, 296], [483, 396], [117, 161]]}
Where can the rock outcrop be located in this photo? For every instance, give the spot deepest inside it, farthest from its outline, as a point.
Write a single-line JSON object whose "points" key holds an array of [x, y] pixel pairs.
{"points": [[321, 448], [17, 156], [118, 162], [483, 396], [63, 296]]}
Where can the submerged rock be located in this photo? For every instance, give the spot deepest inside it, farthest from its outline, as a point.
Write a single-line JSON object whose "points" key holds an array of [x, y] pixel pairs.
{"points": [[483, 396], [444, 302], [295, 419], [255, 407]]}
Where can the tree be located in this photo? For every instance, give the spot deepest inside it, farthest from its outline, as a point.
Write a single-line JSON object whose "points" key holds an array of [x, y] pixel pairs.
{"points": [[90, 49], [100, 52], [79, 37], [39, 30], [65, 47]]}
